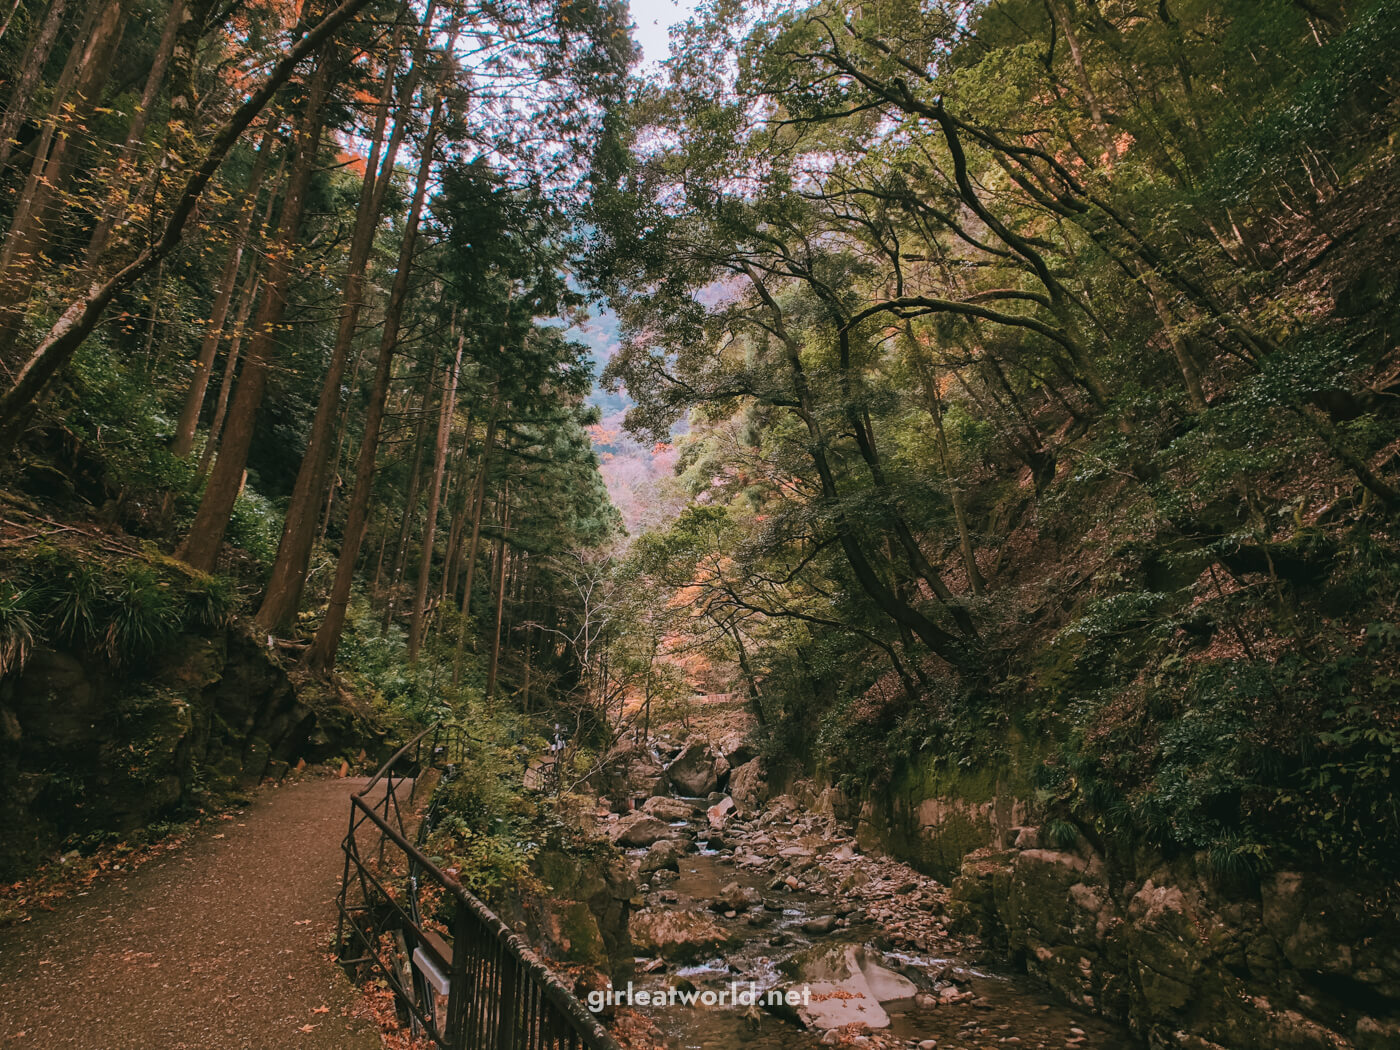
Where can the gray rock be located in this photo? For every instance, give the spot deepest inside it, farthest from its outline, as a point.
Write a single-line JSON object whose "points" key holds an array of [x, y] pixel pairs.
{"points": [[692, 772], [665, 808], [640, 829], [665, 853], [680, 935], [734, 897], [718, 814], [848, 984], [747, 787]]}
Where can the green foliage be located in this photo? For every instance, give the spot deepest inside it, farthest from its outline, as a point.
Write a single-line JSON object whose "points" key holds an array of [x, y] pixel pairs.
{"points": [[17, 629], [255, 525], [484, 828], [210, 600], [488, 865], [77, 594], [1060, 833], [377, 661], [124, 608], [143, 614]]}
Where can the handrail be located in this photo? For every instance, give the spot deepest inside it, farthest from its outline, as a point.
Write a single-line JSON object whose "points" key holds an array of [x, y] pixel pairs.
{"points": [[389, 764], [501, 995], [559, 995]]}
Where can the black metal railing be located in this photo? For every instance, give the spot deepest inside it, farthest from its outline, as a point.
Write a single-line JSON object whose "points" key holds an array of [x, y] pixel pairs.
{"points": [[461, 975]]}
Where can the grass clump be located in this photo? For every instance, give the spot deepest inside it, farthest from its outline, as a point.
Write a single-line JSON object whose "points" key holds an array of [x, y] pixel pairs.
{"points": [[144, 613], [17, 629]]}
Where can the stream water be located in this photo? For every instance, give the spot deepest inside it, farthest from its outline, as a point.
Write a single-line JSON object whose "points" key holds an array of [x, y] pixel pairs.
{"points": [[989, 1010]]}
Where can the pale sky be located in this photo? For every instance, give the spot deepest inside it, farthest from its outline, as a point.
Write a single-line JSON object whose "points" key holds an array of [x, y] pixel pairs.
{"points": [[654, 18]]}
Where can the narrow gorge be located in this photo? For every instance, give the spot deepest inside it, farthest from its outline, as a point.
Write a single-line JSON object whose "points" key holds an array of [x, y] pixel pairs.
{"points": [[655, 524]]}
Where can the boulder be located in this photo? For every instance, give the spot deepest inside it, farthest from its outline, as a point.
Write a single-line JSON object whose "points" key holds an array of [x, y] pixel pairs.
{"points": [[830, 804], [666, 853], [628, 772], [848, 983], [733, 897], [640, 829], [747, 787], [779, 810], [678, 935], [692, 772], [569, 931], [665, 808], [736, 749], [718, 814]]}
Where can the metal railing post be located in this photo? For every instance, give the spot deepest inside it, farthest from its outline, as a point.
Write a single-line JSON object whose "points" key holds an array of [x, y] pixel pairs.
{"points": [[500, 995], [456, 1031]]}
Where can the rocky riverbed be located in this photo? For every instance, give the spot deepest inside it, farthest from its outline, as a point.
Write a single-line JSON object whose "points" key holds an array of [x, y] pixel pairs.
{"points": [[741, 895]]}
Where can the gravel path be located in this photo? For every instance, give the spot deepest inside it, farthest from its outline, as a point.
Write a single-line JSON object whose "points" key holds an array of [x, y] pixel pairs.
{"points": [[222, 945]]}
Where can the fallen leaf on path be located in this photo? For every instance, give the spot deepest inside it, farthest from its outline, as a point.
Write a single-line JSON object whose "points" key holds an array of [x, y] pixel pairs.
{"points": [[309, 1027], [321, 1010]]}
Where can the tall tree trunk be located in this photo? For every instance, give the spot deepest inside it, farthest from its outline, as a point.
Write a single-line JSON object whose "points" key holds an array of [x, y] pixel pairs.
{"points": [[410, 503], [288, 576], [127, 160], [83, 314], [201, 547], [500, 594], [528, 615], [478, 502], [240, 325], [420, 599], [321, 656], [36, 56], [935, 408], [337, 459], [939, 641], [188, 422], [29, 232], [462, 499], [755, 697]]}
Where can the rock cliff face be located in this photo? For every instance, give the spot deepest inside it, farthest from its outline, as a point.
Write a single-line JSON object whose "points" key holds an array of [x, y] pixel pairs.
{"points": [[86, 749], [583, 915], [1298, 962]]}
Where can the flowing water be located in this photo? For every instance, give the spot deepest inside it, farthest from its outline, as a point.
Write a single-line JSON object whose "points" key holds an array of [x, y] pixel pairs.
{"points": [[1004, 1010]]}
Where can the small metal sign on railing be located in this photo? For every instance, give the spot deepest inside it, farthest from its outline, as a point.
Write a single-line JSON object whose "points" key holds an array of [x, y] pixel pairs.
{"points": [[463, 977]]}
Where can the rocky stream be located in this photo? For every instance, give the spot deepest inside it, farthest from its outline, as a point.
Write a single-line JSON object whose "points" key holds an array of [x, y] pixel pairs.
{"points": [[737, 893]]}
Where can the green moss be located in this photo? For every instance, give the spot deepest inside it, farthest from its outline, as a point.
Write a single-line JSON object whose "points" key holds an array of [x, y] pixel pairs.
{"points": [[581, 940]]}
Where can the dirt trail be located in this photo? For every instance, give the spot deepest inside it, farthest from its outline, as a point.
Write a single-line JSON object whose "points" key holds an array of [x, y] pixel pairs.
{"points": [[222, 945]]}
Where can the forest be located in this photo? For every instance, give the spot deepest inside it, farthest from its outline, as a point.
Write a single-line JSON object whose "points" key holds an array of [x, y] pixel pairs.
{"points": [[1013, 405]]}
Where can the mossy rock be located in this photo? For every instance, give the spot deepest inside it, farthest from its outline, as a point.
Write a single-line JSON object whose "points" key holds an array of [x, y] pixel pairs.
{"points": [[580, 940]]}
